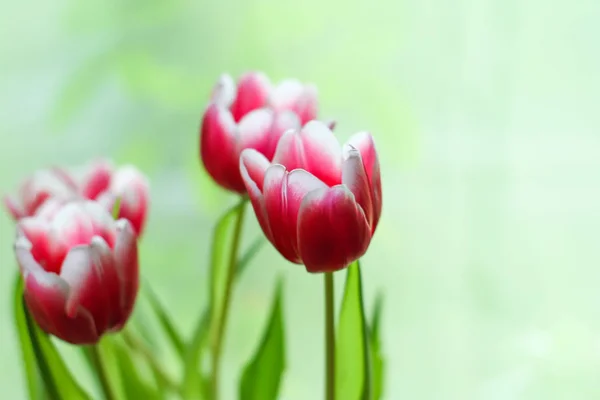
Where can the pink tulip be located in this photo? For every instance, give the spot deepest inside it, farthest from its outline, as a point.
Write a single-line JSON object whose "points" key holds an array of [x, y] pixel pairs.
{"points": [[80, 270], [99, 181], [252, 115], [317, 203]]}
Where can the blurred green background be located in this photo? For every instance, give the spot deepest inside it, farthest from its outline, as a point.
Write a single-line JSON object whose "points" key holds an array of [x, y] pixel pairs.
{"points": [[486, 117]]}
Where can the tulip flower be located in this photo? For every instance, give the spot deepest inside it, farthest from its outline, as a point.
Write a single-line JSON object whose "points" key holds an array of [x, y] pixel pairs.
{"points": [[317, 203], [252, 115], [99, 181], [80, 271]]}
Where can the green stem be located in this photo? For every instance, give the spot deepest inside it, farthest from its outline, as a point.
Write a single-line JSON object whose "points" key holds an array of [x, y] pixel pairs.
{"points": [[102, 373], [136, 344], [329, 338], [222, 318]]}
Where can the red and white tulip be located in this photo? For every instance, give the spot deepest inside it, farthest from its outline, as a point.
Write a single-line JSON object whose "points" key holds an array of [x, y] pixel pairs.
{"points": [[80, 271], [318, 203]]}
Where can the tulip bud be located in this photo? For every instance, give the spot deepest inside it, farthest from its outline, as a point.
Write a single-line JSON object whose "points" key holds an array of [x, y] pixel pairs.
{"points": [[80, 271], [317, 203], [252, 115]]}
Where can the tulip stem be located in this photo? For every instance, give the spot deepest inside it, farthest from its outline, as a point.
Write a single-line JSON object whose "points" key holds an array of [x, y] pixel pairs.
{"points": [[329, 338], [222, 318], [102, 372]]}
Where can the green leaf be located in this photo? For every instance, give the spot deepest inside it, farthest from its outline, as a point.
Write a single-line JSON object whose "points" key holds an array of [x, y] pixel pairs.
{"points": [[262, 375], [58, 381], [134, 386], [377, 362], [352, 378], [165, 322], [32, 376]]}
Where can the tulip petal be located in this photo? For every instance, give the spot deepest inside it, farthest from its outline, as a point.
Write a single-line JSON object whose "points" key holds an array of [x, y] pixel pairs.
{"points": [[254, 129], [332, 229], [218, 148], [72, 226], [132, 187], [50, 208], [84, 278], [102, 221], [290, 151], [224, 91], [35, 231], [126, 262], [102, 255], [294, 96], [14, 208], [276, 207], [364, 143], [314, 149], [97, 180], [285, 94], [252, 91], [284, 121], [307, 104], [355, 178], [299, 184], [253, 166], [46, 297]]}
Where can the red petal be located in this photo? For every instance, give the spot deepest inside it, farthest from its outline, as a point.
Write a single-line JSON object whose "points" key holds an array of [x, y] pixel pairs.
{"points": [[314, 149], [307, 104], [252, 91], [275, 201], [332, 230], [102, 256], [254, 131], [132, 187], [355, 178], [218, 148], [253, 166], [126, 259], [46, 296], [85, 279], [97, 180], [283, 194], [35, 231], [364, 143], [72, 225]]}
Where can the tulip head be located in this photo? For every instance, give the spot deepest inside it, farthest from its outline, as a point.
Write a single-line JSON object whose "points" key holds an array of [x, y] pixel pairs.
{"points": [[80, 271], [251, 115], [317, 203], [99, 180]]}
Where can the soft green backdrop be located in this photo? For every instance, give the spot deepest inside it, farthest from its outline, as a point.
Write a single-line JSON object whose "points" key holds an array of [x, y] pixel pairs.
{"points": [[486, 117]]}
